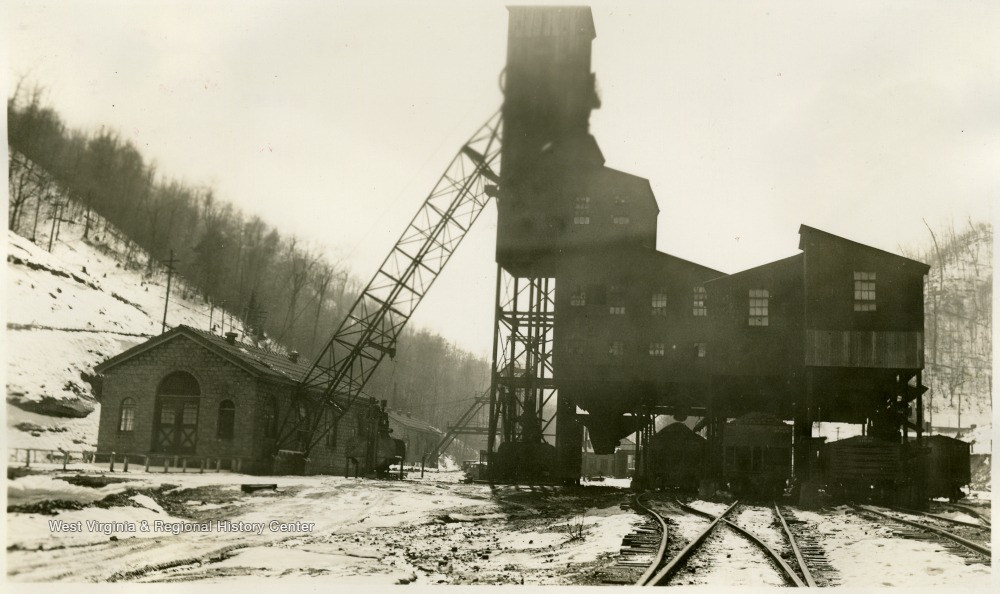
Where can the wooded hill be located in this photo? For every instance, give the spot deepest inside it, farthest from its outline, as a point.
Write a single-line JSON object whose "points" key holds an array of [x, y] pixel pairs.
{"points": [[958, 324], [277, 288]]}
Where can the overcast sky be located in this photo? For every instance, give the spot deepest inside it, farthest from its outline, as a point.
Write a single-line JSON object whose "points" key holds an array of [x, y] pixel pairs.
{"points": [[332, 120]]}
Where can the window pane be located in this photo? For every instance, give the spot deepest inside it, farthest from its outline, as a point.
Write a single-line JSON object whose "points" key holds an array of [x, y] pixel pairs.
{"points": [[190, 414]]}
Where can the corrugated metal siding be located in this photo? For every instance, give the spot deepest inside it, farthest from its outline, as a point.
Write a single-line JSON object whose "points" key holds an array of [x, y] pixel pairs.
{"points": [[886, 350]]}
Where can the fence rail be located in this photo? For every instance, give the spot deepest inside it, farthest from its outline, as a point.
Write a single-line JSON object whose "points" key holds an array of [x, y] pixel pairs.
{"points": [[120, 462]]}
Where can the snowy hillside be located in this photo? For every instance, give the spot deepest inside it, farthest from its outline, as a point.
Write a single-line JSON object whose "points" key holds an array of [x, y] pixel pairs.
{"points": [[69, 310], [959, 326]]}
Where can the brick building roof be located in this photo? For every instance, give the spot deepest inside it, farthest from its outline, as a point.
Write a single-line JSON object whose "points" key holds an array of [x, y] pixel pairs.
{"points": [[257, 361]]}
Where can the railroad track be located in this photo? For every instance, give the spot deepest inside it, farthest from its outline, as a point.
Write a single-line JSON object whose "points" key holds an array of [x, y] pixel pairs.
{"points": [[661, 570], [969, 544], [977, 513], [809, 554]]}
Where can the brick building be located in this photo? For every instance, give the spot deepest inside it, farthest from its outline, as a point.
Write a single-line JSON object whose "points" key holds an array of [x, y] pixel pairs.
{"points": [[194, 398], [419, 436]]}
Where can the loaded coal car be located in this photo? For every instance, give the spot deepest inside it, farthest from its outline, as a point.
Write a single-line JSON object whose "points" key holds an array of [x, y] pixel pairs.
{"points": [[947, 466], [676, 458], [757, 455]]}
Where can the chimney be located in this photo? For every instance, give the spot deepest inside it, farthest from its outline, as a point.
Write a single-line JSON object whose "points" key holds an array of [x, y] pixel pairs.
{"points": [[293, 356], [230, 338]]}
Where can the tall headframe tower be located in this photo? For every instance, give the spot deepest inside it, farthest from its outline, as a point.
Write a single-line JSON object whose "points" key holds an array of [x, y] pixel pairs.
{"points": [[558, 206]]}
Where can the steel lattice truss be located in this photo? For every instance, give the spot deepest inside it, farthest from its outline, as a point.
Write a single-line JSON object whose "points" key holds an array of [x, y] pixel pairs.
{"points": [[523, 392], [375, 321]]}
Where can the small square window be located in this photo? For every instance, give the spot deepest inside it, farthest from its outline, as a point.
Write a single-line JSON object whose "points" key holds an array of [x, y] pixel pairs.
{"points": [[616, 310], [581, 212], [864, 291], [758, 307], [578, 298], [657, 349], [699, 349], [620, 220], [700, 297], [616, 348], [659, 304]]}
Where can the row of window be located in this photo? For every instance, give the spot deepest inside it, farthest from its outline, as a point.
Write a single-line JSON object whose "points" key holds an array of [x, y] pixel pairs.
{"points": [[616, 298], [616, 348], [864, 298], [188, 415], [759, 300]]}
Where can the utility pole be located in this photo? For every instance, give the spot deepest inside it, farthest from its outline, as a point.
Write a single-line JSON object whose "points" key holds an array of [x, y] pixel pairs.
{"points": [[34, 227], [166, 302], [56, 217]]}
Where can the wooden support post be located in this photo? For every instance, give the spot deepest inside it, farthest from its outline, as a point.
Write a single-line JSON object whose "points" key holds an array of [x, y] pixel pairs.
{"points": [[175, 462], [147, 462], [218, 465], [184, 464], [201, 466], [125, 465], [65, 459], [239, 465], [111, 468], [166, 463], [27, 459]]}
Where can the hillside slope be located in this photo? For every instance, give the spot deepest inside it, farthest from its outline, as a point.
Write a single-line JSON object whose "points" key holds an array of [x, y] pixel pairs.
{"points": [[69, 310], [959, 326]]}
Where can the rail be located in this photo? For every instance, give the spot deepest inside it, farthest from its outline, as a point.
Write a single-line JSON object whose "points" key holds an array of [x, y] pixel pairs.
{"points": [[661, 550], [974, 546], [806, 574], [661, 577], [787, 569]]}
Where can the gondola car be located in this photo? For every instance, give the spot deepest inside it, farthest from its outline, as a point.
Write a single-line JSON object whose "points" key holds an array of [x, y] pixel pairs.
{"points": [[757, 455], [947, 466], [863, 468], [676, 458]]}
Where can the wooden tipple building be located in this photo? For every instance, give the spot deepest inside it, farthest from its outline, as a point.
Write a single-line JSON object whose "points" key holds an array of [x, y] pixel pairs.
{"points": [[834, 333], [624, 332]]}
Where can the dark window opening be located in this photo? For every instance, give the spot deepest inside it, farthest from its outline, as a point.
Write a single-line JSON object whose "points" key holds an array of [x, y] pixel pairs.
{"points": [[227, 419]]}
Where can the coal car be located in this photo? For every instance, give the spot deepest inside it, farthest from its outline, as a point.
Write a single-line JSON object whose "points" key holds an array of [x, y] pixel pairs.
{"points": [[676, 458], [757, 455], [947, 465]]}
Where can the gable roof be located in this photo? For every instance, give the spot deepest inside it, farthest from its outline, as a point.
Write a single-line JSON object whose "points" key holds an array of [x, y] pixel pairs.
{"points": [[256, 361], [411, 422], [806, 232]]}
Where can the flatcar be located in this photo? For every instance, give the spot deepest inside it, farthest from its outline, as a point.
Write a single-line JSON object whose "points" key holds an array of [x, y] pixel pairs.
{"points": [[757, 455], [676, 458]]}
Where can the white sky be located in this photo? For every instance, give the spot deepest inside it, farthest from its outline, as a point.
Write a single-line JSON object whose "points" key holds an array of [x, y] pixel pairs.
{"points": [[332, 120]]}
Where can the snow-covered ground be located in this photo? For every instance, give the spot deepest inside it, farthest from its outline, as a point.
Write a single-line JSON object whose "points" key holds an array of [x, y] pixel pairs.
{"points": [[166, 527]]}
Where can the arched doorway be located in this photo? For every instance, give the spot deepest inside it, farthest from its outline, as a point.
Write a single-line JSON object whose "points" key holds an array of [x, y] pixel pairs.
{"points": [[176, 421]]}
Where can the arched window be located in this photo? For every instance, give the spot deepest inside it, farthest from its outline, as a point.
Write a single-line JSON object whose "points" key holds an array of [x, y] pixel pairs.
{"points": [[126, 420], [227, 419], [179, 383]]}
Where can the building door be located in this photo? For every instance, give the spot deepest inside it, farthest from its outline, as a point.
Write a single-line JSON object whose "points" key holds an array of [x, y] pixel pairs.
{"points": [[175, 424]]}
